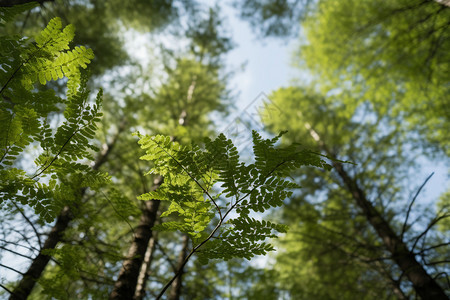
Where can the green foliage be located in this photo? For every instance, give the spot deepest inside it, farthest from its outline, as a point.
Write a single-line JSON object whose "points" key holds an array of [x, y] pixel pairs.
{"points": [[273, 17], [444, 210], [210, 184], [208, 43], [329, 236], [192, 89], [103, 25], [394, 54], [8, 14], [25, 114]]}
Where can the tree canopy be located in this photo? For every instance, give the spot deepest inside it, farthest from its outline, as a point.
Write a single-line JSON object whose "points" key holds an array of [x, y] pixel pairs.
{"points": [[115, 181]]}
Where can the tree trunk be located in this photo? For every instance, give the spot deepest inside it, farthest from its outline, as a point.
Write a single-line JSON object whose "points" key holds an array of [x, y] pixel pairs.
{"points": [[23, 290], [37, 267], [144, 273], [125, 285], [175, 291], [424, 285]]}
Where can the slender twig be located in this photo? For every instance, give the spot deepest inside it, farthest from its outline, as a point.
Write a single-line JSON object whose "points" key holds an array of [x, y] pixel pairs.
{"points": [[68, 140], [12, 76], [12, 269], [55, 157], [164, 253], [446, 277], [117, 212], [422, 251], [219, 224], [432, 223], [405, 223], [6, 289], [25, 238], [60, 150], [15, 252], [437, 262], [22, 64], [256, 186], [38, 235], [19, 245]]}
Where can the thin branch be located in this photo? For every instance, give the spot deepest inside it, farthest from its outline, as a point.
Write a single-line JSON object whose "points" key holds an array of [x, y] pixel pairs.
{"points": [[446, 277], [161, 249], [25, 238], [432, 223], [117, 212], [12, 269], [432, 247], [19, 245], [6, 289], [23, 64], [57, 154], [15, 252], [38, 236], [437, 262], [405, 223]]}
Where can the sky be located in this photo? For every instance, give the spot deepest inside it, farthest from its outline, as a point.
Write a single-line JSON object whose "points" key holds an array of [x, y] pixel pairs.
{"points": [[267, 61], [267, 68]]}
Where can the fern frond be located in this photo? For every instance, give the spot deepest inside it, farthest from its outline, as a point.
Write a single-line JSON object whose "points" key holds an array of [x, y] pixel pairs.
{"points": [[7, 14], [49, 60], [190, 175], [24, 115]]}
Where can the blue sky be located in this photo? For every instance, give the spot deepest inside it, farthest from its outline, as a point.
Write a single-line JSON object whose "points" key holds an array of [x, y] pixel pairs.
{"points": [[268, 60], [268, 68]]}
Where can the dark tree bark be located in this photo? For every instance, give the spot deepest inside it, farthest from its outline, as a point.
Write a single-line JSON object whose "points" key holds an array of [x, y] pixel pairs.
{"points": [[175, 291], [144, 273], [23, 290], [37, 267], [425, 286], [125, 285]]}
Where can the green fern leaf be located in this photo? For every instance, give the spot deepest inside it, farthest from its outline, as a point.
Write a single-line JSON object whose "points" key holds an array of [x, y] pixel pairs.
{"points": [[7, 14], [210, 183]]}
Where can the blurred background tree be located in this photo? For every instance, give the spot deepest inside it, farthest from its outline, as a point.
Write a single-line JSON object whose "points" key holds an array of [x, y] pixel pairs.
{"points": [[377, 95]]}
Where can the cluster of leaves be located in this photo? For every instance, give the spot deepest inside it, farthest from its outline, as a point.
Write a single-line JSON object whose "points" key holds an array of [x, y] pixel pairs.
{"points": [[393, 54], [273, 17], [210, 184], [25, 114]]}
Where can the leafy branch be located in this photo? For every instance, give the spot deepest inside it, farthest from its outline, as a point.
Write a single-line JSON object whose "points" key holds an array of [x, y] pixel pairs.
{"points": [[200, 183], [26, 113]]}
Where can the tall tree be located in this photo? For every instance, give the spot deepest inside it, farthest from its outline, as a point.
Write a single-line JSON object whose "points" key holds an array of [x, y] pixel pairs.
{"points": [[102, 26], [69, 215], [175, 291], [180, 108], [357, 215], [393, 54], [47, 185]]}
